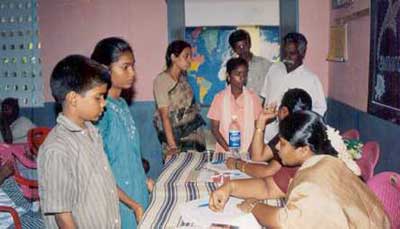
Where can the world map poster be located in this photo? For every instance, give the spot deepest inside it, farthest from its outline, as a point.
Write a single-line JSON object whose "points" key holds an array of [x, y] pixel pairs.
{"points": [[211, 51]]}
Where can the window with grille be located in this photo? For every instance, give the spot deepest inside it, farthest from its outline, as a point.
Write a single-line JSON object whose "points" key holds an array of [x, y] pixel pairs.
{"points": [[20, 67]]}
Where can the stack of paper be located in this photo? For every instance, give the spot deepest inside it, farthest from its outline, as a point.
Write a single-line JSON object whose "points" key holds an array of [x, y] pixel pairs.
{"points": [[217, 167], [211, 169], [198, 213]]}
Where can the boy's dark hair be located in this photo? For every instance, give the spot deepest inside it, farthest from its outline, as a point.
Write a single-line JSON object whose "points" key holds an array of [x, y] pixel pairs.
{"points": [[239, 35], [233, 63], [176, 47], [297, 38], [108, 50], [296, 99], [77, 73]]}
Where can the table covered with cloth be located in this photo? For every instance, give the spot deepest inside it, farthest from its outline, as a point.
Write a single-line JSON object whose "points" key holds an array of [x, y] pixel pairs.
{"points": [[176, 185]]}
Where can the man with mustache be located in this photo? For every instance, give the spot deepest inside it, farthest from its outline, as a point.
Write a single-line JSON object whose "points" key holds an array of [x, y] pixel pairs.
{"points": [[291, 73]]}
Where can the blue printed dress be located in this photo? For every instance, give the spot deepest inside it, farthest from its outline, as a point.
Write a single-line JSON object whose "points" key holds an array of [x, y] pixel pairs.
{"points": [[122, 146]]}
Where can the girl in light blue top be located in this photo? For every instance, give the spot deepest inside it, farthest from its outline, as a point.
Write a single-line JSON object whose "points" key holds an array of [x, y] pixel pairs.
{"points": [[118, 129]]}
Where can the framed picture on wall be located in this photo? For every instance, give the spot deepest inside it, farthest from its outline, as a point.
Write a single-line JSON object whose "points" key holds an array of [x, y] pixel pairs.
{"points": [[338, 43], [384, 82], [341, 3]]}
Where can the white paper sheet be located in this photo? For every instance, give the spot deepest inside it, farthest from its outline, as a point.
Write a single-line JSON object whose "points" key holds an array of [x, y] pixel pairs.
{"points": [[211, 169], [198, 212]]}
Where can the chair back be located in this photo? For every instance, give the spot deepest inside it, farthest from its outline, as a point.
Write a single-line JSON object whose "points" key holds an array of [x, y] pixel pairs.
{"points": [[5, 153], [386, 186], [14, 214], [369, 159], [16, 154], [36, 137], [351, 134]]}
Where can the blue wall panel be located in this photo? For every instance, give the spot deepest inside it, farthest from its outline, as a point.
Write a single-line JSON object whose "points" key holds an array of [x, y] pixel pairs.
{"points": [[371, 128]]}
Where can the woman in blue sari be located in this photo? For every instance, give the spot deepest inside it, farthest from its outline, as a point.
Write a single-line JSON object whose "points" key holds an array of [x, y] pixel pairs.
{"points": [[118, 129]]}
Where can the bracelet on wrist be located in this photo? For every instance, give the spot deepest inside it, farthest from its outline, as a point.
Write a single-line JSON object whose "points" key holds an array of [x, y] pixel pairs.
{"points": [[243, 167], [172, 147], [252, 206], [236, 164], [261, 130]]}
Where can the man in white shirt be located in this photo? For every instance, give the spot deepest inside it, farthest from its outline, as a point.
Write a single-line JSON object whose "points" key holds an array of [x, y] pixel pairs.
{"points": [[291, 73], [240, 43], [13, 128]]}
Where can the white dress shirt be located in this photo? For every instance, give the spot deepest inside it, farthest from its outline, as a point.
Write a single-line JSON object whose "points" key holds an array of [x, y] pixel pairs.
{"points": [[278, 81], [19, 130]]}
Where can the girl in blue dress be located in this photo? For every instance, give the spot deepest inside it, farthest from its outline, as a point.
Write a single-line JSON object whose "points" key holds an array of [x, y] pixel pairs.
{"points": [[118, 129]]}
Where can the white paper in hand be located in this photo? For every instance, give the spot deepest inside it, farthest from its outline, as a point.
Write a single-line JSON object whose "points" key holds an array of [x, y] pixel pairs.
{"points": [[198, 212]]}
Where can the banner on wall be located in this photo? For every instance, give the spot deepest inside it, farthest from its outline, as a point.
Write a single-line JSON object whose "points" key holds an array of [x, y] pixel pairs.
{"points": [[384, 86]]}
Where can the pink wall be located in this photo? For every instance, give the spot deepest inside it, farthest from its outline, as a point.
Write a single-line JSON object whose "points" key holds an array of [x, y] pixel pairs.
{"points": [[75, 26], [348, 81], [314, 24], [68, 27]]}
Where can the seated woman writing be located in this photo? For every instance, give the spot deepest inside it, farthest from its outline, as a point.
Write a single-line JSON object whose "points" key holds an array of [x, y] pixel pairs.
{"points": [[293, 100], [235, 101], [325, 192]]}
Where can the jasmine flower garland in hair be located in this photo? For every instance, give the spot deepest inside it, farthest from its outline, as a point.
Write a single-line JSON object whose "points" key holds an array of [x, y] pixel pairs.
{"points": [[354, 147], [338, 144]]}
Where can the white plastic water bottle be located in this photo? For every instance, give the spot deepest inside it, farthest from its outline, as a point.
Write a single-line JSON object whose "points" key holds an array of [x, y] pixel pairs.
{"points": [[234, 137]]}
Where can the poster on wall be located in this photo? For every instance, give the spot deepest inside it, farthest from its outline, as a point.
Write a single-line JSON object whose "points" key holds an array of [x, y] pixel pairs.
{"points": [[384, 86], [211, 51]]}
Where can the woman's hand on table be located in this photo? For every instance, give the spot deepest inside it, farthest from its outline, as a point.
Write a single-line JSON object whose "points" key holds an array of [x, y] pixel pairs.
{"points": [[150, 184], [168, 157], [231, 163], [247, 205], [219, 197], [171, 150]]}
